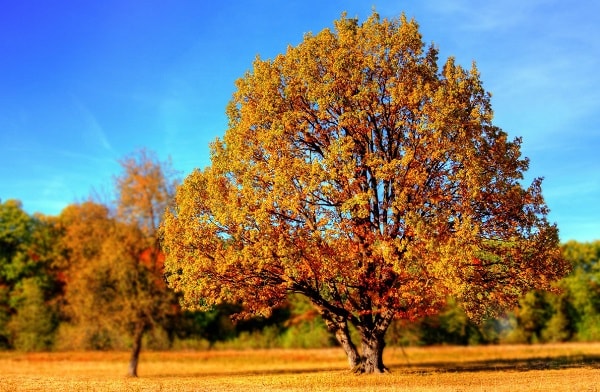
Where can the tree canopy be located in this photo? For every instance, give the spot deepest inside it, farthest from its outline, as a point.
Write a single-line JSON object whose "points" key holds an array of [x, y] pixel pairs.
{"points": [[357, 172]]}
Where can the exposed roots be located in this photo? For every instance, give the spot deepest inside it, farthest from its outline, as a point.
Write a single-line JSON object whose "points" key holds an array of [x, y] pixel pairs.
{"points": [[361, 369]]}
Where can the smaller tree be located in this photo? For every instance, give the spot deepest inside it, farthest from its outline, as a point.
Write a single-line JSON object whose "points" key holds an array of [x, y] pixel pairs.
{"points": [[116, 263], [144, 190]]}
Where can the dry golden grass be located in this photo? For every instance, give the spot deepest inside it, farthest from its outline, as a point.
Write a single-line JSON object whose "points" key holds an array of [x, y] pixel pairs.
{"points": [[564, 367]]}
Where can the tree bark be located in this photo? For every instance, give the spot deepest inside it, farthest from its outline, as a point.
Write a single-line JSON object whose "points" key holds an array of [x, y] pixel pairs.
{"points": [[135, 352], [339, 328], [342, 334], [372, 341], [372, 345]]}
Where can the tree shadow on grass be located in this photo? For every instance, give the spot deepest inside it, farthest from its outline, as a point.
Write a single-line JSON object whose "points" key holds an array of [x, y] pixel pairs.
{"points": [[254, 373], [488, 365], [522, 365]]}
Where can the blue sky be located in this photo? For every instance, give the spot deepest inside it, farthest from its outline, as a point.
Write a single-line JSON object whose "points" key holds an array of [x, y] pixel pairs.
{"points": [[83, 83]]}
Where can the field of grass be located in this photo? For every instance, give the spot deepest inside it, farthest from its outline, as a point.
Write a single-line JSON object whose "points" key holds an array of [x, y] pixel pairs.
{"points": [[561, 367]]}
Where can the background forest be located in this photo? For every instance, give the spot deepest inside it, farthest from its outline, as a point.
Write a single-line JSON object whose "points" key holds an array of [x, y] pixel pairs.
{"points": [[91, 278]]}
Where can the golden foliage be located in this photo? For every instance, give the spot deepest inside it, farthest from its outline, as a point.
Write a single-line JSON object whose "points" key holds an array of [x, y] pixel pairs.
{"points": [[357, 172]]}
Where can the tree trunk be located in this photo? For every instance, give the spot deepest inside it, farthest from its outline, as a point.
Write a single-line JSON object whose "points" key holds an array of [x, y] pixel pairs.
{"points": [[372, 341], [342, 334], [135, 352], [339, 328], [372, 346]]}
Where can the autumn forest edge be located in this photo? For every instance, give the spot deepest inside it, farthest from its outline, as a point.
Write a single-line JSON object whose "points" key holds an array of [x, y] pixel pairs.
{"points": [[92, 278], [38, 316]]}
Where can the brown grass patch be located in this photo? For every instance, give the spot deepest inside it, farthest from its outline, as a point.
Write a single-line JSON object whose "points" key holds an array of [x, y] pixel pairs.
{"points": [[560, 367]]}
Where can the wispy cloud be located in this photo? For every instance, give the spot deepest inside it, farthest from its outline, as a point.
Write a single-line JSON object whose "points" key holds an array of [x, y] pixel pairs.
{"points": [[93, 132]]}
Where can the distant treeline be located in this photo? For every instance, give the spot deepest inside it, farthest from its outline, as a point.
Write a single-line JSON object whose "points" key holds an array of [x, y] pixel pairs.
{"points": [[86, 278]]}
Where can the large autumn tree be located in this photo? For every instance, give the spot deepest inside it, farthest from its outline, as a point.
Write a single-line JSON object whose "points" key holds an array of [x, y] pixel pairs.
{"points": [[358, 173]]}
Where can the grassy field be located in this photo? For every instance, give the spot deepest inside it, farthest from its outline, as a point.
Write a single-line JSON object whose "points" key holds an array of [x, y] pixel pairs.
{"points": [[564, 367]]}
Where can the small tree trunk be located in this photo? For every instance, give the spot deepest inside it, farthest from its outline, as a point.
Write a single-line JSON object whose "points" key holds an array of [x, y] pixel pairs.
{"points": [[135, 352], [339, 328], [342, 334]]}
